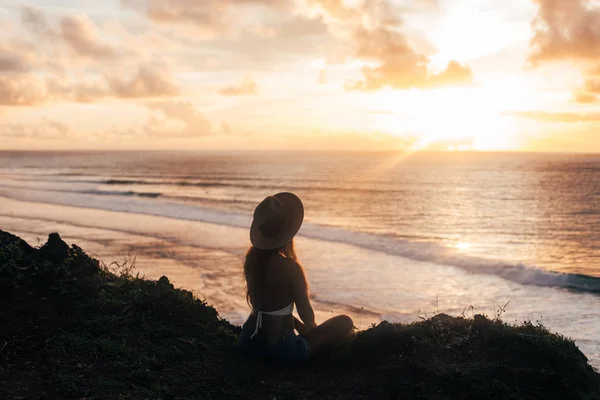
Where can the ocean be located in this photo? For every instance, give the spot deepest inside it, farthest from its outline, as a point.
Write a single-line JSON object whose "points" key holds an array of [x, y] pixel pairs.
{"points": [[386, 235]]}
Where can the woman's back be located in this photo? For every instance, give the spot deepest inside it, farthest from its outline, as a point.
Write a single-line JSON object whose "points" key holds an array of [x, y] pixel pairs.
{"points": [[274, 292], [277, 286]]}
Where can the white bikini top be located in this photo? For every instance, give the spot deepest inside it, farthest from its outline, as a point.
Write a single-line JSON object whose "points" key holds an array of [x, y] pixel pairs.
{"points": [[284, 311]]}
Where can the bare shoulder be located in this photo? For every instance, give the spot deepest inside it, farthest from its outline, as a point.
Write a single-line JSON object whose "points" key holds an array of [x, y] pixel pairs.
{"points": [[290, 266]]}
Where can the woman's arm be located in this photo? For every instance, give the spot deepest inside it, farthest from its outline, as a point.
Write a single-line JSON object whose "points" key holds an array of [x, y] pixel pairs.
{"points": [[300, 294]]}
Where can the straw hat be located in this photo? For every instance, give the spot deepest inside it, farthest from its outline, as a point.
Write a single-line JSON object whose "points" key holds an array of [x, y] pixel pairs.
{"points": [[277, 219]]}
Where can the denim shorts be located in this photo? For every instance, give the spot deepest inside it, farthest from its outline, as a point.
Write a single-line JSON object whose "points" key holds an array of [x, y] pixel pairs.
{"points": [[287, 348]]}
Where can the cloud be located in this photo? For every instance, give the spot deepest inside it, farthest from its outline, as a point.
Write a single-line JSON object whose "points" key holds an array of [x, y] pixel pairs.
{"points": [[92, 81], [82, 37], [565, 29], [80, 33], [208, 16], [558, 117], [454, 73], [150, 80], [11, 61], [22, 90], [205, 14], [569, 30], [400, 67], [31, 89], [261, 31], [34, 19], [176, 119], [585, 98], [226, 129], [19, 56], [246, 88], [20, 83], [373, 30], [335, 9], [407, 71], [298, 26], [593, 85], [47, 129], [90, 92], [170, 120]]}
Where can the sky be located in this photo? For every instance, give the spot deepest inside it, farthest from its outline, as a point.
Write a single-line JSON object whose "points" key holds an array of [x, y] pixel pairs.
{"points": [[403, 75]]}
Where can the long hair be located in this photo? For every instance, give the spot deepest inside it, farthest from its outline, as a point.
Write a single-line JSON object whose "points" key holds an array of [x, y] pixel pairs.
{"points": [[255, 268]]}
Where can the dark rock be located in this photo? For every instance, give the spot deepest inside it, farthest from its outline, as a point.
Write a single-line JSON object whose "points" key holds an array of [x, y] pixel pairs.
{"points": [[163, 280], [442, 318], [8, 239], [55, 250], [480, 323], [165, 283]]}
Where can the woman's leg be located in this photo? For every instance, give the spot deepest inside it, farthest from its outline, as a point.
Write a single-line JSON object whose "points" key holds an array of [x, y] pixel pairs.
{"points": [[328, 333]]}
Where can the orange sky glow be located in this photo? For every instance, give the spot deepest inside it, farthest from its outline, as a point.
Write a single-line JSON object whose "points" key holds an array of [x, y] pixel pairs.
{"points": [[403, 75]]}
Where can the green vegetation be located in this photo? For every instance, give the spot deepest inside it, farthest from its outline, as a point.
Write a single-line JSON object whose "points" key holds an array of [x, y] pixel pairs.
{"points": [[70, 328]]}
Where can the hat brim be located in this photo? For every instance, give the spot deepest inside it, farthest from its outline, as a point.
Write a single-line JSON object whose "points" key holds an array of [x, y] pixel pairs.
{"points": [[291, 225]]}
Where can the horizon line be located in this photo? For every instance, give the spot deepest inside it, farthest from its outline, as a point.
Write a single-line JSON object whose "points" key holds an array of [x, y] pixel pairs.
{"points": [[301, 151]]}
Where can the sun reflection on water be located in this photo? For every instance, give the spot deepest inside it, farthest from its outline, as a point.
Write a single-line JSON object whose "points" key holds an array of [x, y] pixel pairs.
{"points": [[463, 246]]}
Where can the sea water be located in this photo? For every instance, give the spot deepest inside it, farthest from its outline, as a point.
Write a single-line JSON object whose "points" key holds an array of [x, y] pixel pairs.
{"points": [[386, 235]]}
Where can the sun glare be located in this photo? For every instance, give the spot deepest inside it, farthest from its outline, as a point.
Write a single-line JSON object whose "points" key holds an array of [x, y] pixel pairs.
{"points": [[454, 119], [462, 119], [462, 246]]}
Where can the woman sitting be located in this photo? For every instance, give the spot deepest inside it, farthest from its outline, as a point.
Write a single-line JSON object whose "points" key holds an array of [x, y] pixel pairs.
{"points": [[275, 283]]}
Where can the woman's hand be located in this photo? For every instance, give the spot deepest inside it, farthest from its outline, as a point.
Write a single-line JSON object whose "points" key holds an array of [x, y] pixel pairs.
{"points": [[302, 328]]}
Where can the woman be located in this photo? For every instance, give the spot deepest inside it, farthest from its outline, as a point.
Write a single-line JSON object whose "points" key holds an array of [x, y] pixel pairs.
{"points": [[275, 281]]}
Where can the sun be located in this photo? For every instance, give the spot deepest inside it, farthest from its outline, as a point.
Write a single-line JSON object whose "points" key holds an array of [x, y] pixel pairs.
{"points": [[454, 119], [463, 119]]}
